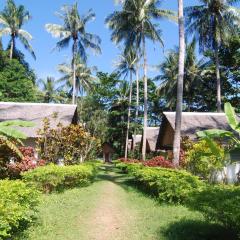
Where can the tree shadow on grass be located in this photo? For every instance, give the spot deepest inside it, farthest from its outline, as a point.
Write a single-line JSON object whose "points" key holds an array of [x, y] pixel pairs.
{"points": [[188, 229]]}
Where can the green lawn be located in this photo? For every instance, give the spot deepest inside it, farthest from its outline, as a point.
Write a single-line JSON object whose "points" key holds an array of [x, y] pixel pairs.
{"points": [[112, 209]]}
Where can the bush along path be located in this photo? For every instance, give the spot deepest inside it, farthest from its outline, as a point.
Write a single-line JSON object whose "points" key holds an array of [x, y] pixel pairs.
{"points": [[113, 209]]}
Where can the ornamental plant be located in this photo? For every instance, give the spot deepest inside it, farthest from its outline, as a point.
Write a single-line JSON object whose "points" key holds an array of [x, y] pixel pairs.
{"points": [[202, 162], [56, 178], [73, 144], [18, 203], [232, 136], [159, 161], [28, 162], [219, 203]]}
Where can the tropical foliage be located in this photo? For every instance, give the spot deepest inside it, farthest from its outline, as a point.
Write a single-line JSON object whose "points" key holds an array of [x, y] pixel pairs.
{"points": [[12, 18], [74, 28], [211, 134], [66, 145], [18, 203]]}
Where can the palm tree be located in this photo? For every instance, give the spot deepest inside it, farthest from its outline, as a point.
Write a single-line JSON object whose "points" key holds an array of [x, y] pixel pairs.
{"points": [[119, 106], [181, 59], [169, 75], [126, 66], [133, 25], [12, 18], [74, 29], [213, 22], [49, 89], [83, 75]]}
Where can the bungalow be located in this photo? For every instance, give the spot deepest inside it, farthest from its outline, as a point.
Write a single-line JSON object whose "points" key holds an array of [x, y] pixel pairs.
{"points": [[191, 123], [66, 114]]}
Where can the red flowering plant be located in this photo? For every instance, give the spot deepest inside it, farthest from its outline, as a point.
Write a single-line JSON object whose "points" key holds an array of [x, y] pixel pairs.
{"points": [[159, 161], [28, 162]]}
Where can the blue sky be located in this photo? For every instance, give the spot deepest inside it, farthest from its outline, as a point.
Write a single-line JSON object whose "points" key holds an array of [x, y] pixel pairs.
{"points": [[43, 11]]}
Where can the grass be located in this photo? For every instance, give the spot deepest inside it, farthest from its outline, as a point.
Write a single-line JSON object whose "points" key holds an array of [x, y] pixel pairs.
{"points": [[73, 215]]}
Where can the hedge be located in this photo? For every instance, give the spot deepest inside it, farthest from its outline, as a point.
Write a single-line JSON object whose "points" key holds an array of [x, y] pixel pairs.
{"points": [[17, 205], [219, 203], [169, 185], [56, 178]]}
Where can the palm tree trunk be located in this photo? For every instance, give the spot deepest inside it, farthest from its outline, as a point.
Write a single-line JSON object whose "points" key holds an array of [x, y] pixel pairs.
{"points": [[129, 115], [178, 117], [137, 104], [74, 70], [145, 100], [219, 109], [12, 47]]}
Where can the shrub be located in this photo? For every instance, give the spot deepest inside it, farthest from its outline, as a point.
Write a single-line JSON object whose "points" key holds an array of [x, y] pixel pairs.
{"points": [[159, 161], [218, 203], [28, 162], [53, 177], [71, 143], [201, 161], [17, 205], [169, 185]]}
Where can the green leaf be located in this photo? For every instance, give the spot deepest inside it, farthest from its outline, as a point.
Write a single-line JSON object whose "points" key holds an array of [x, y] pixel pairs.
{"points": [[17, 123], [12, 132], [213, 146], [214, 133], [231, 116]]}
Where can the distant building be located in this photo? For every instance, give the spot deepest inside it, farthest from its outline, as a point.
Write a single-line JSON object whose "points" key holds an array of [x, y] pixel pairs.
{"points": [[65, 114]]}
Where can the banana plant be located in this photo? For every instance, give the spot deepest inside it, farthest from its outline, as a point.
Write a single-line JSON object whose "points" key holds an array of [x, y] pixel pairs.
{"points": [[9, 134], [232, 136]]}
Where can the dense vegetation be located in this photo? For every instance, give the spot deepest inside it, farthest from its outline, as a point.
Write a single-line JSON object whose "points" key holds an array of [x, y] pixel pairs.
{"points": [[115, 106], [217, 203]]}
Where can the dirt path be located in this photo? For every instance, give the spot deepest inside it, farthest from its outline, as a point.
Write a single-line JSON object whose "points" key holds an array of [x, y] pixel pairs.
{"points": [[111, 218]]}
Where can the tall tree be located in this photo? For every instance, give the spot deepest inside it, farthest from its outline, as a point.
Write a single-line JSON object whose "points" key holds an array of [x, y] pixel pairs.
{"points": [[12, 19], [181, 59], [133, 25], [169, 76], [126, 66], [83, 74], [213, 22], [74, 29]]}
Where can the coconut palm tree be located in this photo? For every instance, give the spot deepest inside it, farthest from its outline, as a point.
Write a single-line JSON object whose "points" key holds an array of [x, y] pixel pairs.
{"points": [[12, 18], [212, 23], [181, 60], [124, 67], [133, 25], [169, 76], [74, 29], [84, 77], [49, 89]]}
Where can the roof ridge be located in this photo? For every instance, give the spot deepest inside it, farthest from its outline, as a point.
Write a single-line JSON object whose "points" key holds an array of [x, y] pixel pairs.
{"points": [[36, 104], [195, 113]]}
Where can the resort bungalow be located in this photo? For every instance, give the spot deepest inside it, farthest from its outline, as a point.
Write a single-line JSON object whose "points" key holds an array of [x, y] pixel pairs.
{"points": [[152, 137], [191, 123], [65, 114]]}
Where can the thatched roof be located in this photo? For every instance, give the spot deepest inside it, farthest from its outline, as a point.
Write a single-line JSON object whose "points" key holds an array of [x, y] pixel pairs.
{"points": [[152, 138], [138, 138], [36, 112], [197, 121]]}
